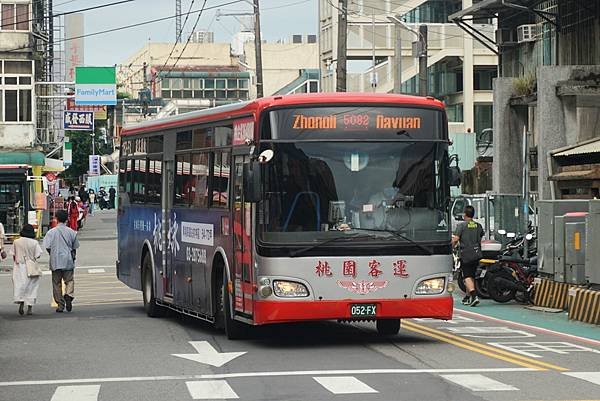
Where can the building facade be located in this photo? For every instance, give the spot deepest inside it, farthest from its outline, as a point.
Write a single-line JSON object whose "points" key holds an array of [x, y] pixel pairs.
{"points": [[548, 93], [182, 78], [460, 70]]}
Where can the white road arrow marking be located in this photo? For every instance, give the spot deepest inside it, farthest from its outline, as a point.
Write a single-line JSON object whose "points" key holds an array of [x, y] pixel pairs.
{"points": [[208, 355]]}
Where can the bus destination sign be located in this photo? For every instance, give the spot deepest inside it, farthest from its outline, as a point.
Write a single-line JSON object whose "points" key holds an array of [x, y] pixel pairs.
{"points": [[355, 122]]}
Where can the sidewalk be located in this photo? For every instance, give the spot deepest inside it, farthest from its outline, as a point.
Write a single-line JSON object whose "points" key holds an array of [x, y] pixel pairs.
{"points": [[98, 239], [517, 313]]}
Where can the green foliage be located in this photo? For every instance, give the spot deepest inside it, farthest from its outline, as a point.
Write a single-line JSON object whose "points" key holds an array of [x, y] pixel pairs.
{"points": [[525, 85], [82, 149]]}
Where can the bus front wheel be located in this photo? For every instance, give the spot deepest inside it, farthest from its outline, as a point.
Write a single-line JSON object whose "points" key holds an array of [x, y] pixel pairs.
{"points": [[150, 306], [388, 327], [233, 329]]}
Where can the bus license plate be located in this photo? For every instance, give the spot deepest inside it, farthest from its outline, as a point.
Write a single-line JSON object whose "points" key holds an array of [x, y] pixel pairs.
{"points": [[360, 310]]}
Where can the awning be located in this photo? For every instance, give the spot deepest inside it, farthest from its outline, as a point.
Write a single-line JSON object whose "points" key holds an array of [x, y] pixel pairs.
{"points": [[31, 158], [592, 146], [576, 175], [483, 9]]}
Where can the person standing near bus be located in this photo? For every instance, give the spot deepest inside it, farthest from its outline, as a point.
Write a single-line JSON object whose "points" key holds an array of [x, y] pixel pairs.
{"points": [[25, 287], [61, 243], [73, 213], [468, 234], [92, 201], [112, 196]]}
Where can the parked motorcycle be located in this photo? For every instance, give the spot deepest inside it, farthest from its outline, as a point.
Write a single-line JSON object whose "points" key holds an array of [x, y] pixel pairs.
{"points": [[512, 276]]}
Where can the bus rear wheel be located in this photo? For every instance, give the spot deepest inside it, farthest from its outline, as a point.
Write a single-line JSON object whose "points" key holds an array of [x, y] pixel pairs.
{"points": [[233, 329], [388, 327], [150, 306]]}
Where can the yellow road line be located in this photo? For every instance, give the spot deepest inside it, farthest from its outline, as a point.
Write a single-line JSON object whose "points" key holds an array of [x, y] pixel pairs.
{"points": [[482, 348]]}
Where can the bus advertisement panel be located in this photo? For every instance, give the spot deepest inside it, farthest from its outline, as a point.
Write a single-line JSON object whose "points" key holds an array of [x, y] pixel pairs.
{"points": [[290, 209]]}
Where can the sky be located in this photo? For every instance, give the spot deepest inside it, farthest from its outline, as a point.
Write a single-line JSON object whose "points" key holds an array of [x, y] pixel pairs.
{"points": [[279, 20]]}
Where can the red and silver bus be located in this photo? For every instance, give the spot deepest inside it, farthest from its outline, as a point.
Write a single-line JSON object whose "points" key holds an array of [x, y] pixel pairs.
{"points": [[290, 208]]}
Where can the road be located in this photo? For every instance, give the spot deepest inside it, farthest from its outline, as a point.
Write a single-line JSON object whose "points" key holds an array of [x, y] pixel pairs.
{"points": [[108, 350]]}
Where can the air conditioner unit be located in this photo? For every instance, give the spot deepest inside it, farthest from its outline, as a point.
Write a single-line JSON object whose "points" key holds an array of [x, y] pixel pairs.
{"points": [[526, 33]]}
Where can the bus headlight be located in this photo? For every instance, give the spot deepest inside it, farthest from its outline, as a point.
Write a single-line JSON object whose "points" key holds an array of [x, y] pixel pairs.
{"points": [[289, 289], [431, 286]]}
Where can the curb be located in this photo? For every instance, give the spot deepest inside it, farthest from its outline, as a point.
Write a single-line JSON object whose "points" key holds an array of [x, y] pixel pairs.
{"points": [[584, 305]]}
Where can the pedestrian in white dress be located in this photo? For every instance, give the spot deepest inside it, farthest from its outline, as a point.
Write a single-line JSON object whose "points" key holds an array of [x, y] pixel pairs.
{"points": [[25, 287]]}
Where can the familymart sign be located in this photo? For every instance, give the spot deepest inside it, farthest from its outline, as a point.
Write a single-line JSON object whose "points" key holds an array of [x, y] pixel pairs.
{"points": [[95, 86]]}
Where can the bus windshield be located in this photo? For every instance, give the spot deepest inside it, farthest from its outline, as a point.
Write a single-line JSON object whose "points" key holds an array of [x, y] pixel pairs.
{"points": [[315, 191]]}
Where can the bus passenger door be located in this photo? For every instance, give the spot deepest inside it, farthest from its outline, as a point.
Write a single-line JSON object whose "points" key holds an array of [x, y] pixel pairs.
{"points": [[241, 274]]}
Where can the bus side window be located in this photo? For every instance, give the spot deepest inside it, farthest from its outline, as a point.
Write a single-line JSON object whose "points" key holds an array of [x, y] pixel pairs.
{"points": [[154, 187], [183, 180], [220, 180], [200, 179], [138, 180]]}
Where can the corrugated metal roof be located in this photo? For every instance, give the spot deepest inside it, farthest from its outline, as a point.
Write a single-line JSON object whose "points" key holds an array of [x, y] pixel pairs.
{"points": [[590, 147]]}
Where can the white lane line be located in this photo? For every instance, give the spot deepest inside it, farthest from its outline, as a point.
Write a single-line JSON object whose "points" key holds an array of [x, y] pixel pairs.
{"points": [[344, 385], [533, 328], [95, 267], [96, 271], [46, 272], [76, 393], [592, 377], [263, 374], [477, 382], [211, 390]]}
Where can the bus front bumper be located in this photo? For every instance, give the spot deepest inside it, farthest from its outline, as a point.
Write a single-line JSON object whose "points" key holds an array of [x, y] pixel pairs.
{"points": [[266, 312]]}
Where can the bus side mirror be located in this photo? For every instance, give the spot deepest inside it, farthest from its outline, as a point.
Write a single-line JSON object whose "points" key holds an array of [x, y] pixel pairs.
{"points": [[252, 183], [454, 176]]}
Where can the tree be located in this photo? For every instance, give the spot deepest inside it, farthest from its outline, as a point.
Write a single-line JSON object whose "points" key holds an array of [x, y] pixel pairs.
{"points": [[82, 149]]}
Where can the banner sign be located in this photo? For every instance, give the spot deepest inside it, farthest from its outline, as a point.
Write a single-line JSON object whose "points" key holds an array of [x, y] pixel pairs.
{"points": [[94, 167], [78, 120], [95, 86], [100, 112], [67, 153]]}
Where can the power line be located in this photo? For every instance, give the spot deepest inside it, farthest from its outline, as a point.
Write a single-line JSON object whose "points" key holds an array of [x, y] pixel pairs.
{"points": [[120, 28], [80, 10], [187, 42], [178, 38]]}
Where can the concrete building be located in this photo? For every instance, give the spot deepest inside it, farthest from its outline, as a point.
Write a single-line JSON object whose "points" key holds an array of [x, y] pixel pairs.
{"points": [[210, 74], [460, 69], [548, 87]]}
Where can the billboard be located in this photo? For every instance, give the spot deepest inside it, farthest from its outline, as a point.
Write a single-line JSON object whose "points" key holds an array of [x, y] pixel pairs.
{"points": [[78, 120], [74, 49], [100, 112], [95, 86], [94, 165]]}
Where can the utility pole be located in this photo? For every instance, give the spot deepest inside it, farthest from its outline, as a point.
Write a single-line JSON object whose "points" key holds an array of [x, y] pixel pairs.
{"points": [[373, 73], [342, 45], [398, 64], [258, 51], [423, 76], [178, 21]]}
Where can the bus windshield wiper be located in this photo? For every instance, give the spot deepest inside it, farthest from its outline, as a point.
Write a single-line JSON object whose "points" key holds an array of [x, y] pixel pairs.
{"points": [[300, 251], [399, 235]]}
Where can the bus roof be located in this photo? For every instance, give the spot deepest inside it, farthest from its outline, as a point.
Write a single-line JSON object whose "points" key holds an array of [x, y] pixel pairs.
{"points": [[253, 107]]}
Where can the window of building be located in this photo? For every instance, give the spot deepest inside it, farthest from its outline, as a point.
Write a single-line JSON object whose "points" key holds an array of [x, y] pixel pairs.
{"points": [[220, 179], [483, 117], [14, 17], [455, 113], [183, 180], [483, 78], [16, 91], [200, 170]]}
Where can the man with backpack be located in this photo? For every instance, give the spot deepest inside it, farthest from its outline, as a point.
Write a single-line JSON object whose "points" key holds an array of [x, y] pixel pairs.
{"points": [[468, 234]]}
